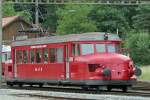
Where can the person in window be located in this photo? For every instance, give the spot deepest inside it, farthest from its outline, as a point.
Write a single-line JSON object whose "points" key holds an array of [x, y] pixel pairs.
{"points": [[32, 59], [38, 57], [46, 58]]}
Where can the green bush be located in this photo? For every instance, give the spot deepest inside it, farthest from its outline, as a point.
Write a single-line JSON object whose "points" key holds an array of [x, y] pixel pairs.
{"points": [[139, 45]]}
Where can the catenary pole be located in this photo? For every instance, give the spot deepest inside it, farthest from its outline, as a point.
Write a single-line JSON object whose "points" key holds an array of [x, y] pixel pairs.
{"points": [[37, 13], [0, 43]]}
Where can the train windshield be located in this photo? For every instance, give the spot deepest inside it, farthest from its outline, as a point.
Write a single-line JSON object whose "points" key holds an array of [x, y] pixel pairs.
{"points": [[110, 48], [87, 49], [113, 48], [100, 48]]}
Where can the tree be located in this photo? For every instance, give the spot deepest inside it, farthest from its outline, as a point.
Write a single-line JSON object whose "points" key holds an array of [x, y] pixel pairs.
{"points": [[25, 14], [142, 19], [8, 10], [139, 45], [109, 19], [128, 12], [50, 18], [75, 19]]}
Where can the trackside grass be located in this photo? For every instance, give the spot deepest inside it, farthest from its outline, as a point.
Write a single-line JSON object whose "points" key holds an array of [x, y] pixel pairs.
{"points": [[145, 73]]}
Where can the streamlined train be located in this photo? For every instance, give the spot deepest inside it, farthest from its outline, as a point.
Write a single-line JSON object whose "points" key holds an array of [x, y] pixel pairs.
{"points": [[89, 60]]}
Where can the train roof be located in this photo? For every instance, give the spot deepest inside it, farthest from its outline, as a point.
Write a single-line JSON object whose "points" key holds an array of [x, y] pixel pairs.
{"points": [[91, 36]]}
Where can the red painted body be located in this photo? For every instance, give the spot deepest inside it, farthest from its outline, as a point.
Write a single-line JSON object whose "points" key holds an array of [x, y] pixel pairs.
{"points": [[81, 67]]}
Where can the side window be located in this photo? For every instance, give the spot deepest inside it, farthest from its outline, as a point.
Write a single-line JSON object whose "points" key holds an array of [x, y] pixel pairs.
{"points": [[75, 49], [31, 56], [38, 56], [19, 56], [45, 51], [25, 56], [3, 57], [9, 55], [6, 57], [59, 55], [52, 55]]}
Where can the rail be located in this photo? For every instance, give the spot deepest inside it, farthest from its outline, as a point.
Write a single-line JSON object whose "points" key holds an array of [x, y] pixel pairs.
{"points": [[140, 89]]}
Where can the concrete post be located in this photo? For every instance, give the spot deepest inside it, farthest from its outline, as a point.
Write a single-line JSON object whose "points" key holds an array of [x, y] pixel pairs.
{"points": [[37, 13]]}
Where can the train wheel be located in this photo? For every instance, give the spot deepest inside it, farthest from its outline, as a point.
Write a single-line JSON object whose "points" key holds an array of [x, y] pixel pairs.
{"points": [[109, 88], [124, 88]]}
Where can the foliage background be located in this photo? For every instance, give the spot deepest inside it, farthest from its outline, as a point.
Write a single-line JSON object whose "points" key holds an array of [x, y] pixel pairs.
{"points": [[132, 22]]}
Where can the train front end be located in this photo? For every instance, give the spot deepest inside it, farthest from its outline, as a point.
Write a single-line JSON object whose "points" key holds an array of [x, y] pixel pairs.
{"points": [[111, 70], [106, 65]]}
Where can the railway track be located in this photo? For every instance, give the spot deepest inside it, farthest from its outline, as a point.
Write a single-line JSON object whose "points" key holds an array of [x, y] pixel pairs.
{"points": [[140, 89], [142, 85]]}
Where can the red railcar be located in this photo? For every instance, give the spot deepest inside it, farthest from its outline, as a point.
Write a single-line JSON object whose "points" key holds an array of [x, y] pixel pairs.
{"points": [[87, 60]]}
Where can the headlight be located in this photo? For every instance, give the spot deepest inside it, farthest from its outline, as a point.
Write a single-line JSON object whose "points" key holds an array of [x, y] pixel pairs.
{"points": [[106, 72]]}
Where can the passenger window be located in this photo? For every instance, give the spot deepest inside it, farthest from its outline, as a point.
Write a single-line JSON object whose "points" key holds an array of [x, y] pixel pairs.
{"points": [[59, 55], [19, 56], [52, 55], [38, 56], [45, 55], [31, 56], [25, 55]]}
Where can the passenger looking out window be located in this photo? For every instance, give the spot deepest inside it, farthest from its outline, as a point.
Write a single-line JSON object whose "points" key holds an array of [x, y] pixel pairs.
{"points": [[45, 55], [31, 56], [25, 55], [38, 56]]}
